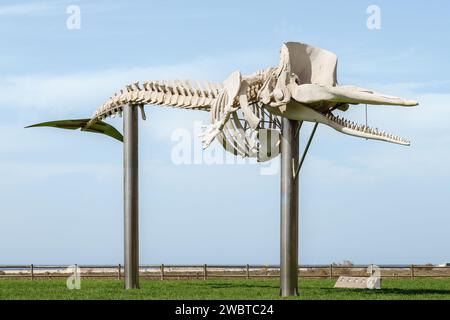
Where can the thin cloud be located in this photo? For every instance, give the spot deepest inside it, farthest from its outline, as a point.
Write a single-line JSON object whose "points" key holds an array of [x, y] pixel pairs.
{"points": [[29, 9], [85, 91]]}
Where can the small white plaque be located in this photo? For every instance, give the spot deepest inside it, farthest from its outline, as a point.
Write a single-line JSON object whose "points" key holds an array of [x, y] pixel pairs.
{"points": [[358, 282]]}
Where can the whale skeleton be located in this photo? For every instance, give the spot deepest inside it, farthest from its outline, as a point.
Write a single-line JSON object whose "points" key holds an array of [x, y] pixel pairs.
{"points": [[246, 109]]}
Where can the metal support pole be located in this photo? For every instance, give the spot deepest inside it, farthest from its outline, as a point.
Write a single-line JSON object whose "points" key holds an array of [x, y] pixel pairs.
{"points": [[306, 150], [289, 209], [131, 196]]}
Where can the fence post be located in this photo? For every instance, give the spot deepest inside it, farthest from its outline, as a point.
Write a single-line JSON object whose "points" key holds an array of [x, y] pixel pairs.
{"points": [[331, 271], [119, 267], [162, 271], [32, 271], [205, 272], [248, 271], [412, 271]]}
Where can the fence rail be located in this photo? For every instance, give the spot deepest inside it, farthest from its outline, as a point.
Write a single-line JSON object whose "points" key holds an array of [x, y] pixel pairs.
{"points": [[204, 272]]}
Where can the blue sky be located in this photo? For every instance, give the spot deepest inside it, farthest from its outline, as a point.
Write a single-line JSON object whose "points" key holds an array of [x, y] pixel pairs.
{"points": [[364, 201]]}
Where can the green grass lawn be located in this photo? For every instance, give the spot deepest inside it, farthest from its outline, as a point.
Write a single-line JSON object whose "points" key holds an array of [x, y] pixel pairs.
{"points": [[219, 289]]}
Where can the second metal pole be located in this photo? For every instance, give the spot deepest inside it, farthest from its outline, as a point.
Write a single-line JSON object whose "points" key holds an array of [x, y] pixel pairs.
{"points": [[289, 209], [131, 196]]}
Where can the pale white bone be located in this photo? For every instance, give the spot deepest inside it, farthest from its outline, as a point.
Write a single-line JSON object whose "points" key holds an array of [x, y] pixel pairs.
{"points": [[302, 87], [249, 116], [222, 108], [312, 93]]}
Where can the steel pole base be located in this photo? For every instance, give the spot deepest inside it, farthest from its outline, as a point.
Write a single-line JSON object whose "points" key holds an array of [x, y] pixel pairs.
{"points": [[289, 209], [131, 196]]}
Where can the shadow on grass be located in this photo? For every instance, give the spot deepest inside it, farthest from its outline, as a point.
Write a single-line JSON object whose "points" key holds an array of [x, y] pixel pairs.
{"points": [[416, 291], [397, 291], [412, 292], [242, 285]]}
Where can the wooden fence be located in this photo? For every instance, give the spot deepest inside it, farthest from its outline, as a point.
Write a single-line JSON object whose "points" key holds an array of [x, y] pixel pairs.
{"points": [[204, 272]]}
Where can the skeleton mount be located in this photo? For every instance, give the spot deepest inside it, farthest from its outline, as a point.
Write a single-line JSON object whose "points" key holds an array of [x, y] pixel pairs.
{"points": [[257, 115]]}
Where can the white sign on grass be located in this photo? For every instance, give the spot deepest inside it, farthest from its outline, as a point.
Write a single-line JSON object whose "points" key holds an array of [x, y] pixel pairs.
{"points": [[372, 282]]}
